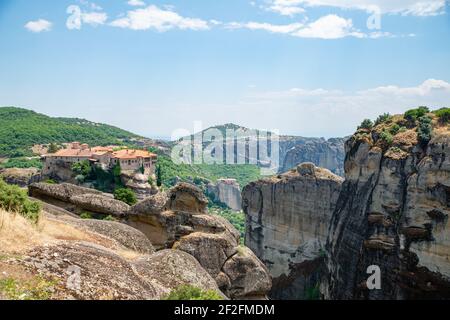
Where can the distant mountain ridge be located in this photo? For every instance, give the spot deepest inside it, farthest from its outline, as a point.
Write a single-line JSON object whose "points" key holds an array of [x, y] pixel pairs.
{"points": [[329, 154], [20, 129]]}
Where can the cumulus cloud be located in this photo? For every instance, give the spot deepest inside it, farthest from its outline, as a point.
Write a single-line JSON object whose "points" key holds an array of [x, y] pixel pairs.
{"points": [[404, 7], [78, 17], [326, 27], [39, 26], [161, 20], [337, 112], [136, 3]]}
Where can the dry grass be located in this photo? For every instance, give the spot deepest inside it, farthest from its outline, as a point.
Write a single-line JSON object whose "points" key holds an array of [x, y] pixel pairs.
{"points": [[18, 235]]}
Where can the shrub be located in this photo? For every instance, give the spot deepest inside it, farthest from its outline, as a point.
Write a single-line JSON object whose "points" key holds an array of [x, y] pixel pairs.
{"points": [[14, 199], [125, 195], [424, 130], [383, 118], [386, 137], [86, 215], [414, 114], [53, 148], [366, 124], [443, 115], [188, 292], [82, 168], [394, 129]]}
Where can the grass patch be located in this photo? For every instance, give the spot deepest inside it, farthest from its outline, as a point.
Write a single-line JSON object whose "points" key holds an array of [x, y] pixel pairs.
{"points": [[188, 292], [35, 289]]}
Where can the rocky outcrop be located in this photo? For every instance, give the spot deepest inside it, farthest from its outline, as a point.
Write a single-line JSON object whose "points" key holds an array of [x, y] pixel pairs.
{"points": [[323, 153], [287, 226], [91, 272], [63, 191], [100, 204], [228, 192], [393, 213], [180, 220], [79, 199], [20, 177], [139, 183]]}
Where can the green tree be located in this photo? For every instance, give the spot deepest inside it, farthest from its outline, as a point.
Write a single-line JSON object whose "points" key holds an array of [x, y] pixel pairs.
{"points": [[414, 114], [424, 130], [82, 168], [366, 124], [53, 148], [386, 137], [117, 171], [125, 195], [188, 292], [14, 199], [443, 115], [158, 176], [383, 118]]}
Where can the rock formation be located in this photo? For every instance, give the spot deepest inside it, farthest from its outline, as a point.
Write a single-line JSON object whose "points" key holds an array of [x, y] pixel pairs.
{"points": [[393, 213], [78, 199], [139, 183], [70, 258], [20, 177], [287, 226], [179, 220], [228, 192], [323, 153]]}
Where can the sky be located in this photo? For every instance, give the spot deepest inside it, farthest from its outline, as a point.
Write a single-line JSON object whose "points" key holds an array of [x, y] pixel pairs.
{"points": [[303, 67]]}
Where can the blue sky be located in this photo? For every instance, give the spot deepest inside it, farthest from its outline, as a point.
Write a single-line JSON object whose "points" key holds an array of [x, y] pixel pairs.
{"points": [[305, 67]]}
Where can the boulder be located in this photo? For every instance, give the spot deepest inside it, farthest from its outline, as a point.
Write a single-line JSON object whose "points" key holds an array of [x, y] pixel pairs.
{"points": [[100, 204], [188, 198], [63, 191], [173, 268], [248, 276], [183, 223]]}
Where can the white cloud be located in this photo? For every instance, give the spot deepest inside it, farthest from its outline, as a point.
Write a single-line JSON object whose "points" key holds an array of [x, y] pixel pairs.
{"points": [[318, 112], [329, 27], [404, 7], [273, 28], [136, 3], [161, 20], [326, 27], [39, 26], [78, 17], [94, 18]]}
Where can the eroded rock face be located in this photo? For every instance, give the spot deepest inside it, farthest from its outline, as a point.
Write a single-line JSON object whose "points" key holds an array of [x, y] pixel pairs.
{"points": [[78, 199], [287, 226], [101, 204], [91, 272], [139, 183], [228, 192], [179, 220], [323, 153], [63, 191], [393, 213], [20, 177]]}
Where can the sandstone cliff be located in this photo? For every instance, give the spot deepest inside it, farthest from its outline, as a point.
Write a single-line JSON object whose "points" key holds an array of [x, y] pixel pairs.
{"points": [[287, 226], [228, 192], [393, 213], [323, 153]]}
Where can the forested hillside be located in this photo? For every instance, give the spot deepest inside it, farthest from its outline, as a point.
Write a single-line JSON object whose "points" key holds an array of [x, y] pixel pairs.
{"points": [[20, 129]]}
